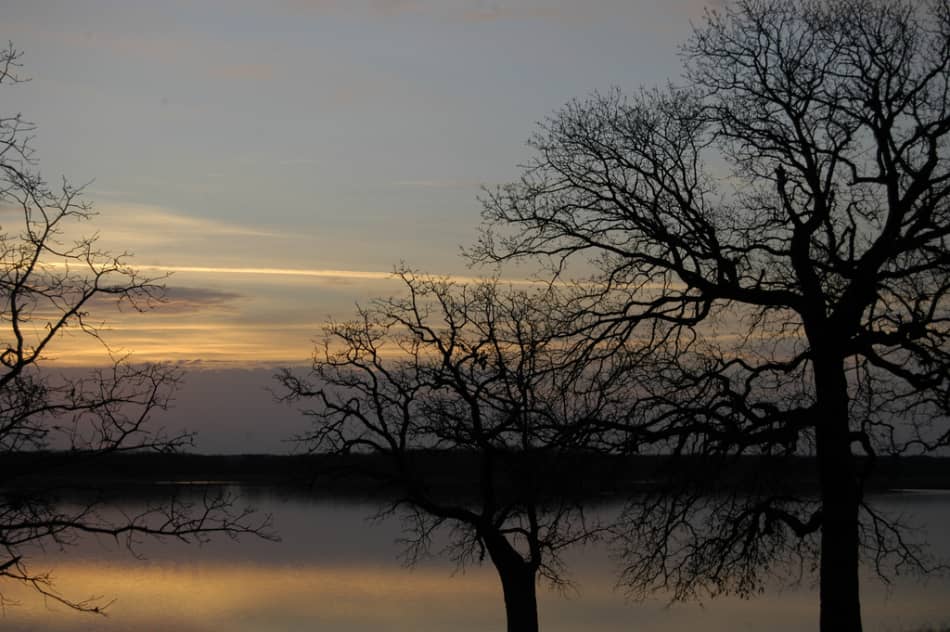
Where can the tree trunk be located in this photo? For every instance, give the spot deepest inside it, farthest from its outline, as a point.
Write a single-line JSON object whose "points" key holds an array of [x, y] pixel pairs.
{"points": [[518, 583], [840, 497]]}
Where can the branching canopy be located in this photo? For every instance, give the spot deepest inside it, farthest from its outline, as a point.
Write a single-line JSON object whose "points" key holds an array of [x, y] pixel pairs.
{"points": [[775, 230], [52, 283]]}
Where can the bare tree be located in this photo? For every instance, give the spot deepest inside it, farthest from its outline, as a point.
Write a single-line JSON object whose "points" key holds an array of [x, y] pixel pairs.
{"points": [[50, 284], [463, 370], [776, 230]]}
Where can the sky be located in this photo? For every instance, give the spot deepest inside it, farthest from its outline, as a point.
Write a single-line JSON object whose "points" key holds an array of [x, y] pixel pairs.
{"points": [[279, 158]]}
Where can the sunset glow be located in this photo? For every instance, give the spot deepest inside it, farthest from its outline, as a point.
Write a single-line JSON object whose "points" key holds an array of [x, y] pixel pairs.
{"points": [[471, 315]]}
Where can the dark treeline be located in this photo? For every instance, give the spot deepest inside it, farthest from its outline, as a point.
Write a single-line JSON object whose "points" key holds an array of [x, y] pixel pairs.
{"points": [[583, 475]]}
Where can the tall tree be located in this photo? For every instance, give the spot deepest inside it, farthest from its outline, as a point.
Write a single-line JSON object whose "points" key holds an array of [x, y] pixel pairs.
{"points": [[51, 284], [464, 371], [777, 231]]}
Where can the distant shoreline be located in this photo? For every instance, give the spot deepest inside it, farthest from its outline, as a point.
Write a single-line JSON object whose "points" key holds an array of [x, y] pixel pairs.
{"points": [[452, 472]]}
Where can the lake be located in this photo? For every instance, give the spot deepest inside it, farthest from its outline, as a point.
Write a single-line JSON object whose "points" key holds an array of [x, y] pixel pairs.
{"points": [[335, 570]]}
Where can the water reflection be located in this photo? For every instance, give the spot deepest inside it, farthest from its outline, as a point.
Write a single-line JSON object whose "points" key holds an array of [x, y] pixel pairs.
{"points": [[334, 570]]}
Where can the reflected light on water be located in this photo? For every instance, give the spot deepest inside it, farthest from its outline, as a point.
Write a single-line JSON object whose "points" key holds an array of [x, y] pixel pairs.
{"points": [[194, 597], [335, 571], [217, 596]]}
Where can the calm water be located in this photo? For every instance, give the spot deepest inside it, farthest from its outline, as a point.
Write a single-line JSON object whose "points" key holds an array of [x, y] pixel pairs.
{"points": [[336, 571]]}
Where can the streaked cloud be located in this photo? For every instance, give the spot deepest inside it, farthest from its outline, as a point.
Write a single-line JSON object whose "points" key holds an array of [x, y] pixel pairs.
{"points": [[189, 300], [205, 342], [298, 272], [381, 119], [321, 273], [174, 301], [145, 220]]}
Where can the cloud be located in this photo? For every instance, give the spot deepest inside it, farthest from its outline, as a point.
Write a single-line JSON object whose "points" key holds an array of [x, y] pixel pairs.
{"points": [[187, 300], [299, 272], [149, 223], [200, 340], [136, 225], [175, 300], [152, 218], [319, 273]]}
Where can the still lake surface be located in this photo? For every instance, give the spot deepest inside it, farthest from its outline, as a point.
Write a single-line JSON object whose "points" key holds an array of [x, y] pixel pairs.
{"points": [[335, 570]]}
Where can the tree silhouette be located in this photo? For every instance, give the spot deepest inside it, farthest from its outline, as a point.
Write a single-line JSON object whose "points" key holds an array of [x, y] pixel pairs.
{"points": [[469, 371], [50, 284], [776, 232]]}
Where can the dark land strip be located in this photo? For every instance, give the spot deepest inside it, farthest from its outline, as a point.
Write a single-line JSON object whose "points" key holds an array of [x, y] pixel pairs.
{"points": [[580, 474]]}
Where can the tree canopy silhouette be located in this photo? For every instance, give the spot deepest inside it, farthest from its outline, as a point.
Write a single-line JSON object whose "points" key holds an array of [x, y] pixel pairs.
{"points": [[775, 232], [51, 283], [469, 370]]}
